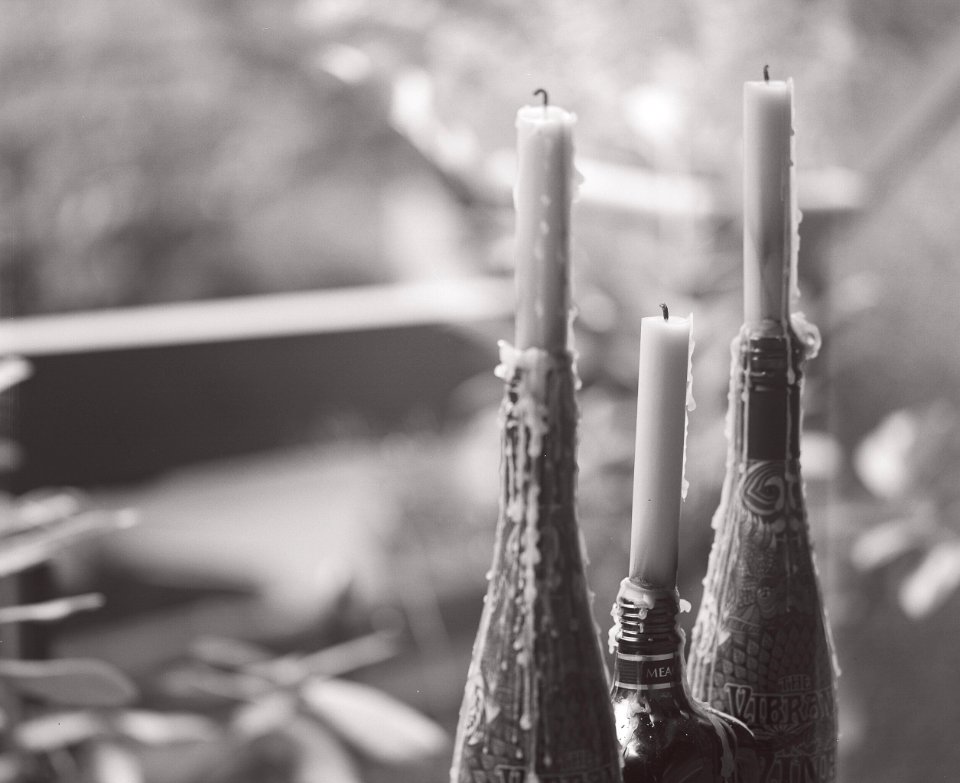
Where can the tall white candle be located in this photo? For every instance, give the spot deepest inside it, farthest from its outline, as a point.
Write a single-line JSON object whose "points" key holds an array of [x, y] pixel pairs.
{"points": [[542, 198], [769, 225], [661, 432]]}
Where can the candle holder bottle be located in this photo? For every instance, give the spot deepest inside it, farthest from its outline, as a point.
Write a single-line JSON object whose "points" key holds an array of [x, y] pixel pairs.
{"points": [[536, 707], [761, 647], [665, 736]]}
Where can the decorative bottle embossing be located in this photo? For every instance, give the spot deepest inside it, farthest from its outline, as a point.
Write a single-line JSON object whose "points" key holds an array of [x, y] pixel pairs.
{"points": [[665, 736], [761, 647], [536, 707]]}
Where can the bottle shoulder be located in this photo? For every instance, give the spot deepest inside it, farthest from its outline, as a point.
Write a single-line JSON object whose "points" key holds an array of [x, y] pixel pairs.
{"points": [[668, 737]]}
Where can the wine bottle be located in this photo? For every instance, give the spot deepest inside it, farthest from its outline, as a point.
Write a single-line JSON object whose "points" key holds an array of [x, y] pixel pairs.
{"points": [[536, 706], [761, 647], [665, 736]]}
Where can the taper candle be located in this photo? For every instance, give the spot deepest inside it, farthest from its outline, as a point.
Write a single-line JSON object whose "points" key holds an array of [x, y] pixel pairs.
{"points": [[542, 197], [769, 221], [660, 443]]}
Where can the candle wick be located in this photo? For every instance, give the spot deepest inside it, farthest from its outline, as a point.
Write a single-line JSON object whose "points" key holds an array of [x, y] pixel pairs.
{"points": [[666, 311], [542, 93], [766, 73]]}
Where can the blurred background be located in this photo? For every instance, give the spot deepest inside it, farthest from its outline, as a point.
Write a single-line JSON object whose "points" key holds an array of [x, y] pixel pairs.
{"points": [[257, 257]]}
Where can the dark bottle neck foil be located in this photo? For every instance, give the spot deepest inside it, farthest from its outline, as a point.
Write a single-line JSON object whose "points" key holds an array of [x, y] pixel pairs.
{"points": [[649, 641], [769, 380]]}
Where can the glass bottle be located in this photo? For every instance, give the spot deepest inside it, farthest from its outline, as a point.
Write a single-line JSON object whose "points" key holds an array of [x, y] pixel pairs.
{"points": [[761, 647], [665, 736], [536, 706]]}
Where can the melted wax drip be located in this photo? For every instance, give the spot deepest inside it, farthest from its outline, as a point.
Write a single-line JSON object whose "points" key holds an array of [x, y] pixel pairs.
{"points": [[533, 411]]}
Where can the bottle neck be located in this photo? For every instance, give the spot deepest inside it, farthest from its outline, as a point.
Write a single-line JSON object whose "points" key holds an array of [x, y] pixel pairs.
{"points": [[539, 418], [769, 379], [649, 641]]}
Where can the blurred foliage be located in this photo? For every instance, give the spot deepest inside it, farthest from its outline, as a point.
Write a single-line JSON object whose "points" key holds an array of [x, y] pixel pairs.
{"points": [[73, 719], [912, 460]]}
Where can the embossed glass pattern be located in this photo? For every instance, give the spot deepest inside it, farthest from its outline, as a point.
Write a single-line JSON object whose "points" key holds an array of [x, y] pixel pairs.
{"points": [[536, 707], [761, 648]]}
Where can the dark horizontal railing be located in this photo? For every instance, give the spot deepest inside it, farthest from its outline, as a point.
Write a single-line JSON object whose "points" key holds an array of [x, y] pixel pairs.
{"points": [[122, 395]]}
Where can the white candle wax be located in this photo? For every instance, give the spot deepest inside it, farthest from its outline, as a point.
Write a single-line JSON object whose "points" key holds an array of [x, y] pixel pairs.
{"points": [[661, 432], [769, 224], [542, 198]]}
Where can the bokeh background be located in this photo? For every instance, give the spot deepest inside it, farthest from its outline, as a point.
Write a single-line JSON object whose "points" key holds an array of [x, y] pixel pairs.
{"points": [[258, 256]]}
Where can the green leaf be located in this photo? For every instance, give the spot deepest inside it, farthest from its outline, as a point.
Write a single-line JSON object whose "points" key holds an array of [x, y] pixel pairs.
{"points": [[376, 724], [76, 681]]}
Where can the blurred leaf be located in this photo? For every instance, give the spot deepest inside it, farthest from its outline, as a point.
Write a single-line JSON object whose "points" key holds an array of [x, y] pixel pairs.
{"points": [[288, 670], [321, 757], [376, 724], [266, 714], [936, 455], [10, 768], [228, 653], [884, 543], [202, 680], [77, 681], [13, 370], [31, 548], [882, 460], [49, 611], [933, 581], [349, 656], [58, 730], [44, 506], [111, 762], [158, 728]]}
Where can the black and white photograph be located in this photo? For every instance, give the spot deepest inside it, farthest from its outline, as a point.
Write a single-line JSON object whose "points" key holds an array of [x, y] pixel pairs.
{"points": [[429, 391]]}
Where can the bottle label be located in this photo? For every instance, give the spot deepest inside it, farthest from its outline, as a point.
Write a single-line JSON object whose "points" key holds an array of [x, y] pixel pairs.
{"points": [[760, 649], [648, 672]]}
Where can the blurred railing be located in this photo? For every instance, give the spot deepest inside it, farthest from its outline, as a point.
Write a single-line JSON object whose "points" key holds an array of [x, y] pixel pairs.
{"points": [[259, 317], [121, 395]]}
